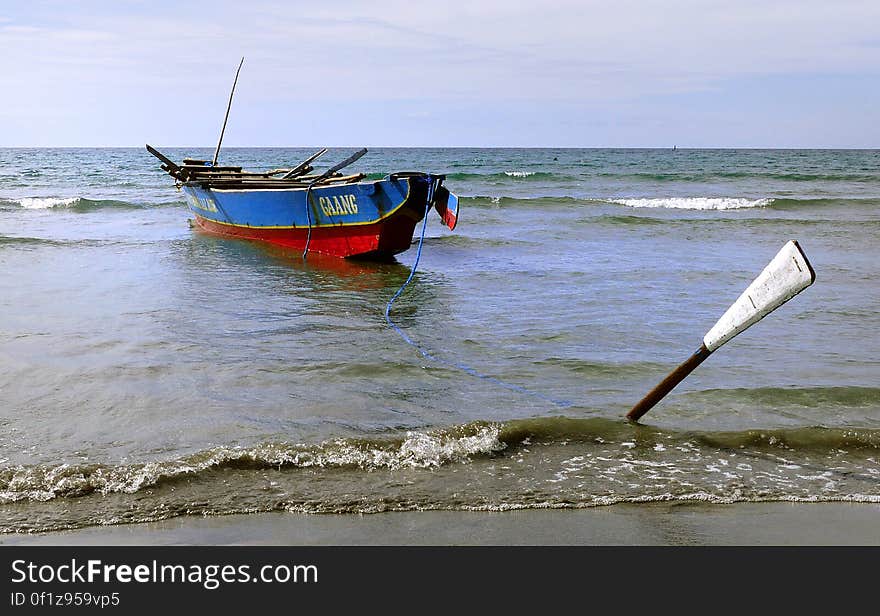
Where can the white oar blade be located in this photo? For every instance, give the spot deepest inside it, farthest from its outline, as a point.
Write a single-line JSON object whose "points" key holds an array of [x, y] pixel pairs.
{"points": [[785, 276]]}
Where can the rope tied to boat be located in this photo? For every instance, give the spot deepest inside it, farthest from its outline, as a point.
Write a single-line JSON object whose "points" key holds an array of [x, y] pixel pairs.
{"points": [[309, 217], [434, 181]]}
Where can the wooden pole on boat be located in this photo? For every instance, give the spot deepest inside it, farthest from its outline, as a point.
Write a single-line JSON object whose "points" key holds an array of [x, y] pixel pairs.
{"points": [[348, 161], [226, 117], [305, 166], [785, 276]]}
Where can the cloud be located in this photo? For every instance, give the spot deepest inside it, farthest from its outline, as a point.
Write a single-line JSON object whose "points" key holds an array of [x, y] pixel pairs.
{"points": [[70, 59], [559, 50]]}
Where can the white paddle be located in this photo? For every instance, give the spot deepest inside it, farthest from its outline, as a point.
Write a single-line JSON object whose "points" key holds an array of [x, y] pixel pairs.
{"points": [[785, 276]]}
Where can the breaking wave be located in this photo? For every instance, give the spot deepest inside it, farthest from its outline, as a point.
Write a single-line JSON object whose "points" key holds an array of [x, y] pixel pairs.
{"points": [[676, 203], [695, 203], [687, 203], [415, 450], [76, 204], [546, 462], [43, 203], [515, 174]]}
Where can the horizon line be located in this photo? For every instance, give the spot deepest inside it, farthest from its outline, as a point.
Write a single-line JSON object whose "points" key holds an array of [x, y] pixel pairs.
{"points": [[432, 147]]}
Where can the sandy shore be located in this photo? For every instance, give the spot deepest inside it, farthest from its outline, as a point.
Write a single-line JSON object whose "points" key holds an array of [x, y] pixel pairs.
{"points": [[643, 524]]}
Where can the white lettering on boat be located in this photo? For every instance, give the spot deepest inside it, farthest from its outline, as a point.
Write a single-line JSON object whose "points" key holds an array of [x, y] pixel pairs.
{"points": [[202, 203], [341, 205]]}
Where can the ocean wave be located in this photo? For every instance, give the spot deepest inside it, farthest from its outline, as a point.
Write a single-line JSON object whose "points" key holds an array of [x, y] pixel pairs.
{"points": [[29, 241], [516, 175], [811, 439], [669, 177], [415, 450], [700, 497], [627, 220], [75, 204], [427, 450], [496, 201], [807, 440], [465, 241], [812, 397], [694, 203], [790, 203], [43, 203], [683, 203], [784, 176], [542, 462], [601, 369]]}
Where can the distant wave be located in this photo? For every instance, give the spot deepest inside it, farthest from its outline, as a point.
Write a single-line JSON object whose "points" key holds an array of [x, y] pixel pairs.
{"points": [[695, 203], [569, 175], [29, 241], [76, 204], [518, 175], [793, 203], [43, 203], [626, 220], [786, 176], [505, 175], [683, 203], [735, 203], [667, 177], [500, 201], [687, 203]]}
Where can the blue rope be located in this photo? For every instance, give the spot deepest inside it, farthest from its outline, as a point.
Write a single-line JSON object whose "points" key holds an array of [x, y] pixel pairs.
{"points": [[458, 366], [309, 214]]}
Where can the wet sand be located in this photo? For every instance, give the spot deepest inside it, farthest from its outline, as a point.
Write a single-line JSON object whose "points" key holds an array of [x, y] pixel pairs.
{"points": [[665, 524]]}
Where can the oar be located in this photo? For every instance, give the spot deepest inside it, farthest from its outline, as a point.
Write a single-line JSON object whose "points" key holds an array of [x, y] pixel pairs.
{"points": [[303, 167], [785, 276]]}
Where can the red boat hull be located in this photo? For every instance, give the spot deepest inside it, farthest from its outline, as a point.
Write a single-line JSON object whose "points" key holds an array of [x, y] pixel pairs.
{"points": [[385, 238]]}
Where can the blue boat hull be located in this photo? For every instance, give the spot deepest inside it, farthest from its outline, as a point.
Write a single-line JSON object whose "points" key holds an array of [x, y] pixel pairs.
{"points": [[363, 219]]}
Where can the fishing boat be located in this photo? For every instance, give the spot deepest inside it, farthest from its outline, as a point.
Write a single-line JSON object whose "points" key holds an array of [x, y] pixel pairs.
{"points": [[296, 207], [328, 213]]}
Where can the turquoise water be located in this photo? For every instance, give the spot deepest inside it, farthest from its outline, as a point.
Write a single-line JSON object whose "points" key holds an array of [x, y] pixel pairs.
{"points": [[148, 371]]}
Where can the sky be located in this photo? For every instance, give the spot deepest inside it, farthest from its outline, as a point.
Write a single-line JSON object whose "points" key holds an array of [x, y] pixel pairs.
{"points": [[471, 73]]}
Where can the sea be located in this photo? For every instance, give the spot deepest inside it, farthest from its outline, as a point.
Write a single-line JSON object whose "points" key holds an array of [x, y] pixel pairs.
{"points": [[148, 370]]}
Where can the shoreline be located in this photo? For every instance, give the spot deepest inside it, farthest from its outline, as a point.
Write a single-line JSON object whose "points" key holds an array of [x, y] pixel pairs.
{"points": [[643, 524]]}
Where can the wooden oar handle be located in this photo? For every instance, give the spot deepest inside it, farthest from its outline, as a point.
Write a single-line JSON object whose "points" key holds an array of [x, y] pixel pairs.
{"points": [[666, 385]]}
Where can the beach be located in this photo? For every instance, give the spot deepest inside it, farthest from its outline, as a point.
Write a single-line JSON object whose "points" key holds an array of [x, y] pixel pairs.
{"points": [[658, 524]]}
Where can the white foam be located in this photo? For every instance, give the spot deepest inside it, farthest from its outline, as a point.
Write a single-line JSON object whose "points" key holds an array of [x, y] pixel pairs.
{"points": [[43, 203], [418, 450], [518, 174], [695, 203]]}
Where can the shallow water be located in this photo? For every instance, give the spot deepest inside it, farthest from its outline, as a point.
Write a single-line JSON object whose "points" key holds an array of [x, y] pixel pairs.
{"points": [[149, 371]]}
